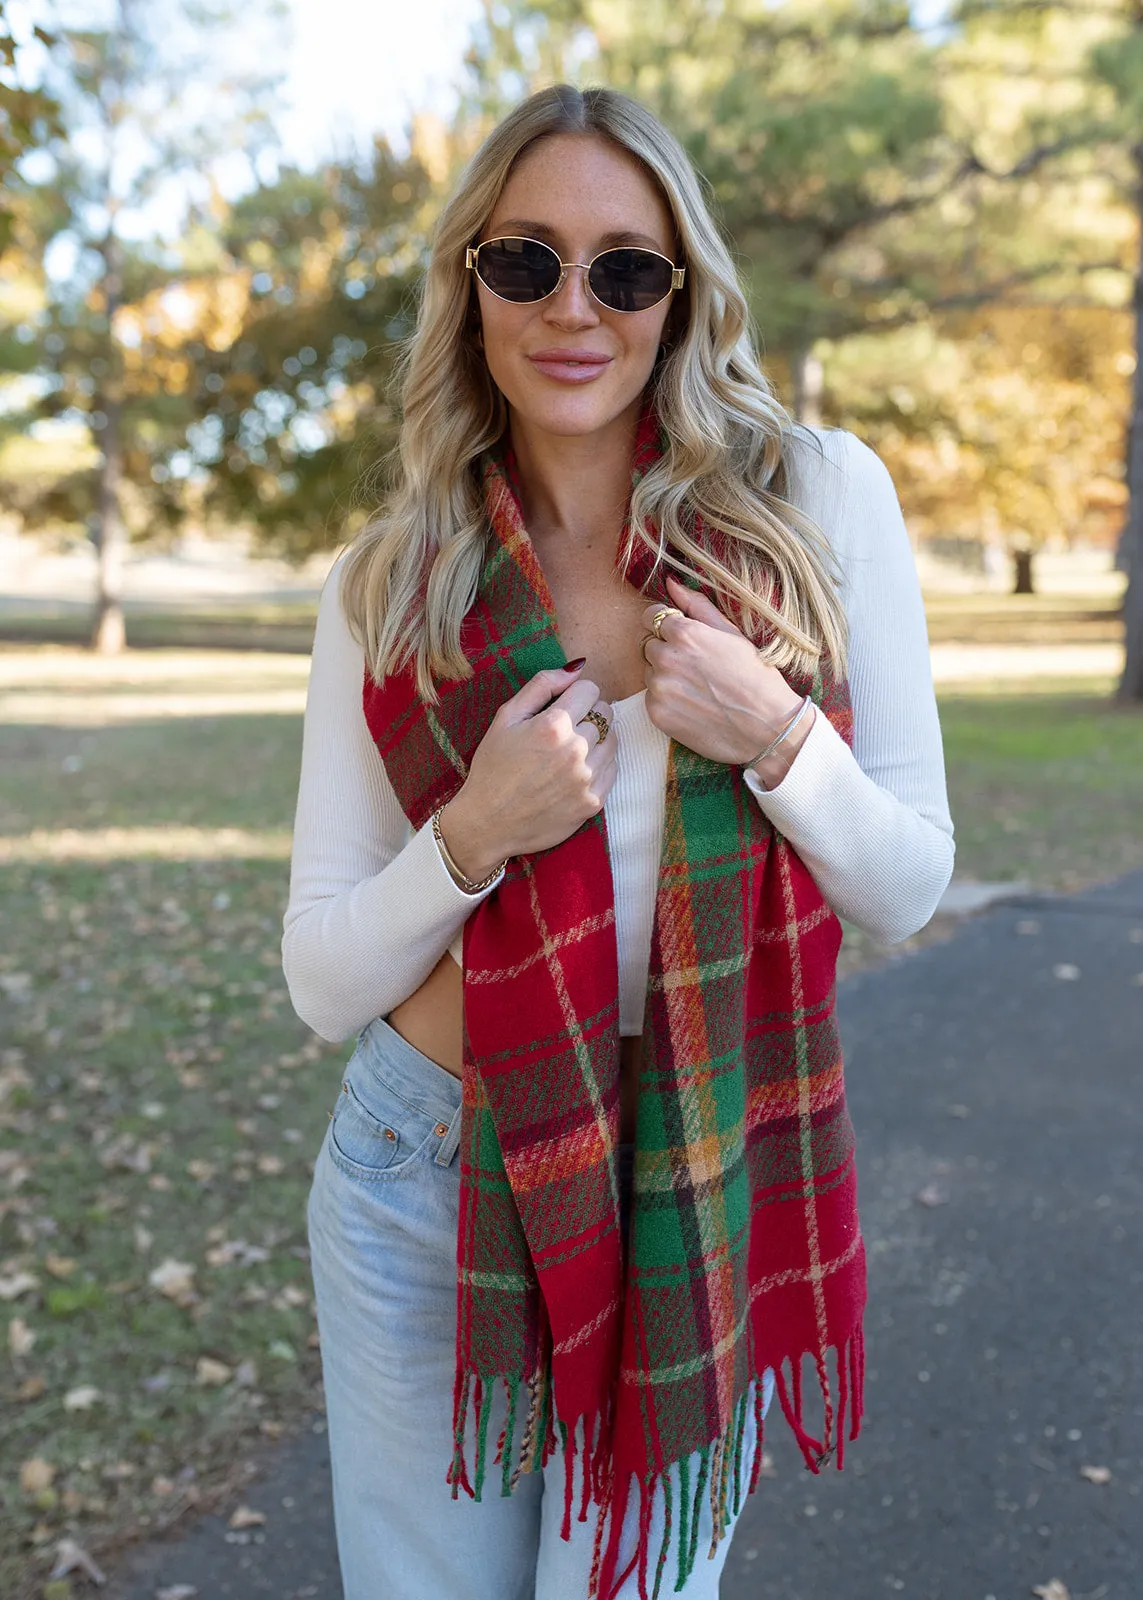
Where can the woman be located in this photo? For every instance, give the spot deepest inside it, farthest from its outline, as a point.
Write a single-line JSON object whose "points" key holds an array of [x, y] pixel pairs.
{"points": [[582, 910]]}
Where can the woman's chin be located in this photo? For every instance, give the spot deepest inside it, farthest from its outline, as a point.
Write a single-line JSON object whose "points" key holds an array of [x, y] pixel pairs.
{"points": [[574, 412]]}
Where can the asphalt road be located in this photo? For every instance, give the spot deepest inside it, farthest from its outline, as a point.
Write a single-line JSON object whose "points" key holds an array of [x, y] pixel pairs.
{"points": [[996, 1082]]}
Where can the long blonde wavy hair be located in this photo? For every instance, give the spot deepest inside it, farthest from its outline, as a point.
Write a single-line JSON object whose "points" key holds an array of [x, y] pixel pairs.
{"points": [[411, 573]]}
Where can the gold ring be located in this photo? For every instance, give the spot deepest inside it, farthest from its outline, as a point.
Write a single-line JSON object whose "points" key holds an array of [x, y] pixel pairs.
{"points": [[599, 722], [660, 617]]}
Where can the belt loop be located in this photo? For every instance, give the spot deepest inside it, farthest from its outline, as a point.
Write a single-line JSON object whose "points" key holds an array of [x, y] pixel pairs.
{"points": [[451, 1141]]}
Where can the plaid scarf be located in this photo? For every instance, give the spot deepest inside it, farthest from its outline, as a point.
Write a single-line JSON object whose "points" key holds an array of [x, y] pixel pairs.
{"points": [[745, 1252]]}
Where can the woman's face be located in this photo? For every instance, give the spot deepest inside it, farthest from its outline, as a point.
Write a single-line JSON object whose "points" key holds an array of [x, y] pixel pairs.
{"points": [[580, 194]]}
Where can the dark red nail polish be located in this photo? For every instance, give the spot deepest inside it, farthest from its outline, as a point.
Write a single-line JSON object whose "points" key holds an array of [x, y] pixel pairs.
{"points": [[574, 666]]}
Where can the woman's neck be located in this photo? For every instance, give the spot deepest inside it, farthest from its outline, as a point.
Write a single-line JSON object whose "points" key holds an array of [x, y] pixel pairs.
{"points": [[574, 488]]}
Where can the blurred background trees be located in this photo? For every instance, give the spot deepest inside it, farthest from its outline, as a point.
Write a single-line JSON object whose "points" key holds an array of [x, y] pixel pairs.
{"points": [[937, 223]]}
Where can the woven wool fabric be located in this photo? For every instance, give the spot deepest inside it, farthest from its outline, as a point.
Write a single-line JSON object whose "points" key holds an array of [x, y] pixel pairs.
{"points": [[745, 1251]]}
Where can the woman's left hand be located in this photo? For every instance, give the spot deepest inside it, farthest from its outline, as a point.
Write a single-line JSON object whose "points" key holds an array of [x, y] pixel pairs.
{"points": [[707, 686]]}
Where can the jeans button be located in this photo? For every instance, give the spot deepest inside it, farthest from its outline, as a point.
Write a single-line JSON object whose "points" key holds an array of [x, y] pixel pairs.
{"points": [[441, 1129]]}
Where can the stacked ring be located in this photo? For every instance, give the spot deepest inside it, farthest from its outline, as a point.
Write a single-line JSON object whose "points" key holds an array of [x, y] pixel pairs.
{"points": [[599, 722], [661, 616]]}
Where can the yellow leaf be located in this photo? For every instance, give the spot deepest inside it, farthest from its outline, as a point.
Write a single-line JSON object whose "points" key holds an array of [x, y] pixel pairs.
{"points": [[36, 1474], [246, 1517]]}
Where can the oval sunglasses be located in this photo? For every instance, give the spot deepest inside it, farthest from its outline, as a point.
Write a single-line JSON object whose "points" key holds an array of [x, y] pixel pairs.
{"points": [[523, 271]]}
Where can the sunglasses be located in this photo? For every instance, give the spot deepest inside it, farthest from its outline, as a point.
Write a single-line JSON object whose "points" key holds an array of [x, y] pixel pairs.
{"points": [[523, 271]]}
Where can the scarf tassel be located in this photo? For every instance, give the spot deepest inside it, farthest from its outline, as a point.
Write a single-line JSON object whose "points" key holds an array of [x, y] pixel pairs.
{"points": [[817, 1453], [716, 1471]]}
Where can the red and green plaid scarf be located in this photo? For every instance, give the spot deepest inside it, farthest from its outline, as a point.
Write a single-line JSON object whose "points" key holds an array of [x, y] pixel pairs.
{"points": [[744, 1252]]}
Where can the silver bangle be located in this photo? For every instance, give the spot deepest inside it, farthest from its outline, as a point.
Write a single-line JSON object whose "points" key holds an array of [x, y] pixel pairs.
{"points": [[785, 733]]}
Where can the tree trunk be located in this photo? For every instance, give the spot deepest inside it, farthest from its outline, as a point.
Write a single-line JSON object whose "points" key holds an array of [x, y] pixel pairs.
{"points": [[1130, 690], [1023, 575], [108, 631], [809, 382]]}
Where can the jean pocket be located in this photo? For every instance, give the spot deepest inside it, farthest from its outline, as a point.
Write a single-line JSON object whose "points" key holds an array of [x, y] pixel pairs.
{"points": [[374, 1132]]}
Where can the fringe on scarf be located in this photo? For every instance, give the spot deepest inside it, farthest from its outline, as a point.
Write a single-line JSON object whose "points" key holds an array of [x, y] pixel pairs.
{"points": [[717, 1471]]}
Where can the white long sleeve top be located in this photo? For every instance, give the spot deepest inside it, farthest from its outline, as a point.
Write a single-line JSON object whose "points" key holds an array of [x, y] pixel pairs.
{"points": [[372, 907]]}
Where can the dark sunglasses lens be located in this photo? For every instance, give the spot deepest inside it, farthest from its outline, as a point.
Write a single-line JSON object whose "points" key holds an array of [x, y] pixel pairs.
{"points": [[630, 280], [520, 270]]}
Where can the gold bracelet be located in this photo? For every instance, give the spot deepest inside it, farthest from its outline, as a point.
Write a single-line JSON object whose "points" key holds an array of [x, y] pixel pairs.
{"points": [[784, 734], [461, 879]]}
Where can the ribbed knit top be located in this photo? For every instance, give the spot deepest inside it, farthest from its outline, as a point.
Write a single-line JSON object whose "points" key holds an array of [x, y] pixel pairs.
{"points": [[372, 907]]}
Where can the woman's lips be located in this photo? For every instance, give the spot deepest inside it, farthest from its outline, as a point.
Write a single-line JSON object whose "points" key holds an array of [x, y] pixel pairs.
{"points": [[570, 366]]}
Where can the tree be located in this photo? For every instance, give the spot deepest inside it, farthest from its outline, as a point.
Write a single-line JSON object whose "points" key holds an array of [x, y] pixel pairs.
{"points": [[866, 169], [146, 112], [27, 118], [1098, 148], [291, 387]]}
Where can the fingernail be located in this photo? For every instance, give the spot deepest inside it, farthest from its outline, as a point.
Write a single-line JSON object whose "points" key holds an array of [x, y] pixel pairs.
{"points": [[574, 666]]}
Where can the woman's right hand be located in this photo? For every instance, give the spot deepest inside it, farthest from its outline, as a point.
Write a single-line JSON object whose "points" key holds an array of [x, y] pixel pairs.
{"points": [[539, 773]]}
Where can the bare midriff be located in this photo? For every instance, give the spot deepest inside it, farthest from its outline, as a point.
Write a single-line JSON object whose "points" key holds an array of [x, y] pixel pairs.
{"points": [[430, 1019]]}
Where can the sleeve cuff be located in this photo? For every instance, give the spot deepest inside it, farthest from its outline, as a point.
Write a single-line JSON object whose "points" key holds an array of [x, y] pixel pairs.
{"points": [[444, 885], [800, 800]]}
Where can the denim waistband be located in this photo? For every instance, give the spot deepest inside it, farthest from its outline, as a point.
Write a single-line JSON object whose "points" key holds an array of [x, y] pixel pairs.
{"points": [[419, 1080]]}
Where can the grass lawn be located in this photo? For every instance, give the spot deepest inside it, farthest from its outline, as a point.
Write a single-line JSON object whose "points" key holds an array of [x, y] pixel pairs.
{"points": [[160, 1106]]}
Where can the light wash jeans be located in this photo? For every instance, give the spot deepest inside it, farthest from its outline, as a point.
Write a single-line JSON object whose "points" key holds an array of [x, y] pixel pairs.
{"points": [[382, 1219]]}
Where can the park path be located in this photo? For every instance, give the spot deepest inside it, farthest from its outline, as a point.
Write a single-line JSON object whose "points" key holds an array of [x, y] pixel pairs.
{"points": [[996, 1081]]}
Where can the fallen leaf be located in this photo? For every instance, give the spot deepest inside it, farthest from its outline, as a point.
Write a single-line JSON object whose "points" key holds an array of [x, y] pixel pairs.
{"points": [[931, 1195], [175, 1279], [21, 1338], [246, 1517], [59, 1266], [31, 1388], [20, 1283], [1096, 1474], [72, 1557], [36, 1474], [270, 1166], [1066, 973], [1052, 1590], [82, 1398], [177, 1591], [212, 1373]]}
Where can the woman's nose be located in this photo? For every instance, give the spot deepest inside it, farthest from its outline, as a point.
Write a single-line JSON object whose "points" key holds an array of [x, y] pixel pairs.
{"points": [[573, 300]]}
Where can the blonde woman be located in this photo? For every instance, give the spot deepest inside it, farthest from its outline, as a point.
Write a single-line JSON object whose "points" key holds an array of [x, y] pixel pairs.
{"points": [[619, 703]]}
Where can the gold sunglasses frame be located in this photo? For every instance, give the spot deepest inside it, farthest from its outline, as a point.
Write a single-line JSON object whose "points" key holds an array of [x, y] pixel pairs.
{"points": [[473, 252]]}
